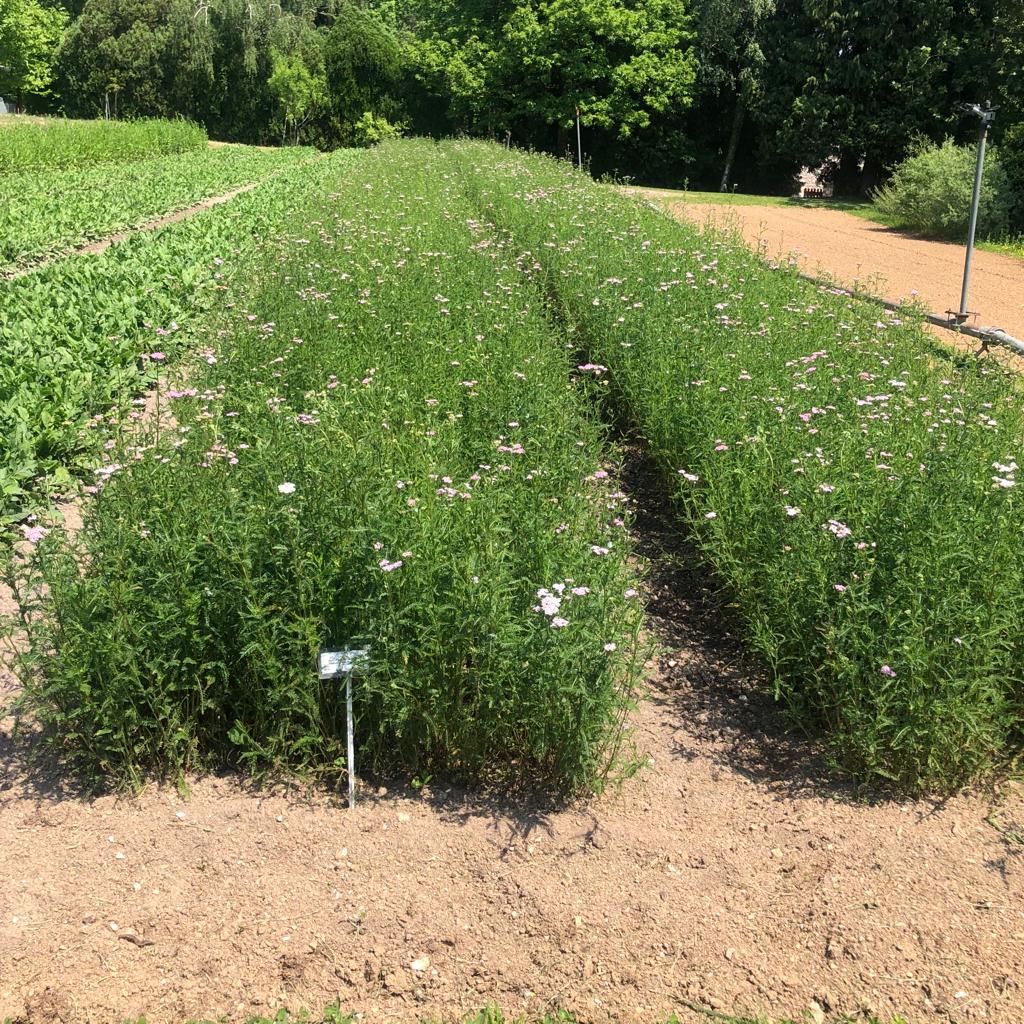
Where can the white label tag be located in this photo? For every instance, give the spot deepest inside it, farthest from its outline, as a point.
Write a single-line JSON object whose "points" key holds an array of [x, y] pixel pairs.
{"points": [[339, 663]]}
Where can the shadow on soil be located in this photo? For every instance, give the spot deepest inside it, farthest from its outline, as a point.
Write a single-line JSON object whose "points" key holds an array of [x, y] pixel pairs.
{"points": [[28, 770], [719, 694]]}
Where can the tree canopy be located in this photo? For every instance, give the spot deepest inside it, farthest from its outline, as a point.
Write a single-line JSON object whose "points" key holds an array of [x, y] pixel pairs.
{"points": [[525, 66], [30, 32], [715, 92]]}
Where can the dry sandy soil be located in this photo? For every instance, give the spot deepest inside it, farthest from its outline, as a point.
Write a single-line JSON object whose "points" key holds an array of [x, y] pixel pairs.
{"points": [[857, 253], [734, 873]]}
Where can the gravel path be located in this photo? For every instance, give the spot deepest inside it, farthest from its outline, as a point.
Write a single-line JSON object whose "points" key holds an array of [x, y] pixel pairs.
{"points": [[874, 258]]}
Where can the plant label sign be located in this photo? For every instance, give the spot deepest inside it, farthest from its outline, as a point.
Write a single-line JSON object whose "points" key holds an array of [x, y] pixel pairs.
{"points": [[342, 663], [331, 665]]}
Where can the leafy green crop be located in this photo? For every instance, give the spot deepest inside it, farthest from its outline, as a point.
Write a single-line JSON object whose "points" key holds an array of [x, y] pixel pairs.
{"points": [[856, 494], [42, 212], [384, 449], [75, 335], [59, 144]]}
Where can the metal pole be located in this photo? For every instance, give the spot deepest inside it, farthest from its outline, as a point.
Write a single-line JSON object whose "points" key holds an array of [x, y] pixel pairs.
{"points": [[975, 200], [579, 144], [351, 742]]}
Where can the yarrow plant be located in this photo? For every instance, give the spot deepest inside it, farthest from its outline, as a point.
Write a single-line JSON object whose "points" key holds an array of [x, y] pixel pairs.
{"points": [[181, 627], [885, 587]]}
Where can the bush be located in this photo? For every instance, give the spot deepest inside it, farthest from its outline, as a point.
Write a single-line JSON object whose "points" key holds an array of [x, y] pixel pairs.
{"points": [[930, 192], [371, 130]]}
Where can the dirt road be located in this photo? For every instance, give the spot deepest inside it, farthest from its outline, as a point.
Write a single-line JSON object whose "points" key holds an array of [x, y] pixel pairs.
{"points": [[887, 263]]}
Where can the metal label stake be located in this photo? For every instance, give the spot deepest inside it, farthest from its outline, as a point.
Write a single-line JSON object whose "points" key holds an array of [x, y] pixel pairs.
{"points": [[331, 665]]}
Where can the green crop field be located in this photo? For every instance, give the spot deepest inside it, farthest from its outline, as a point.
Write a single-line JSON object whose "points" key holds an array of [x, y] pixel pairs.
{"points": [[453, 571], [417, 366], [44, 212], [387, 445], [40, 144], [77, 337], [857, 499]]}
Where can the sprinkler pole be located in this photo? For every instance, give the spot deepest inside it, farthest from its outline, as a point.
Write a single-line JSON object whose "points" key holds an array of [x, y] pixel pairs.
{"points": [[987, 116]]}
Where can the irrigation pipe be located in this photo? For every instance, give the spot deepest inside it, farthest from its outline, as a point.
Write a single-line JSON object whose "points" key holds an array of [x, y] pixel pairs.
{"points": [[985, 334]]}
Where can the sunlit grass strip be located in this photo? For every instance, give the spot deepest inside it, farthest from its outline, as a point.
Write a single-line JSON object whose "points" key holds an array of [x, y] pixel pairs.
{"points": [[75, 337], [857, 496], [60, 144], [385, 451], [42, 212]]}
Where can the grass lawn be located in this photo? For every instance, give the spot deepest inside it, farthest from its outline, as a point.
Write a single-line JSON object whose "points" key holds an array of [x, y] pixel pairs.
{"points": [[858, 207]]}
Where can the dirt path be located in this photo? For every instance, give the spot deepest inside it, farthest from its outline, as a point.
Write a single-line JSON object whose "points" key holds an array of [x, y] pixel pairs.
{"points": [[729, 873], [882, 261]]}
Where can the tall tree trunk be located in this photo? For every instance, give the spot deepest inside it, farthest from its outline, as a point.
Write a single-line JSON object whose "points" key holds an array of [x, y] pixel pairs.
{"points": [[734, 140], [872, 175]]}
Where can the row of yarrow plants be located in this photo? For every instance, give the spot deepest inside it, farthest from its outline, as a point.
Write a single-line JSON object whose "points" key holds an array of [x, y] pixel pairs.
{"points": [[386, 451], [59, 144], [80, 337], [855, 493]]}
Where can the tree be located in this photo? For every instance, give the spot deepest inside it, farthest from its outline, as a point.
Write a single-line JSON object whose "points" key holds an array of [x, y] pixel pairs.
{"points": [[730, 34], [854, 81], [1008, 52], [298, 90], [154, 53], [29, 34], [525, 65], [239, 104], [363, 59]]}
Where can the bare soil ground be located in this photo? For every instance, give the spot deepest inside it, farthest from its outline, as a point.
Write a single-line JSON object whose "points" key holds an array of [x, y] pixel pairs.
{"points": [[734, 872], [873, 258]]}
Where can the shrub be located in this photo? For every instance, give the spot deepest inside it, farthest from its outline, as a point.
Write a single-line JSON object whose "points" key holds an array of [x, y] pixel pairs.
{"points": [[370, 130], [930, 192]]}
